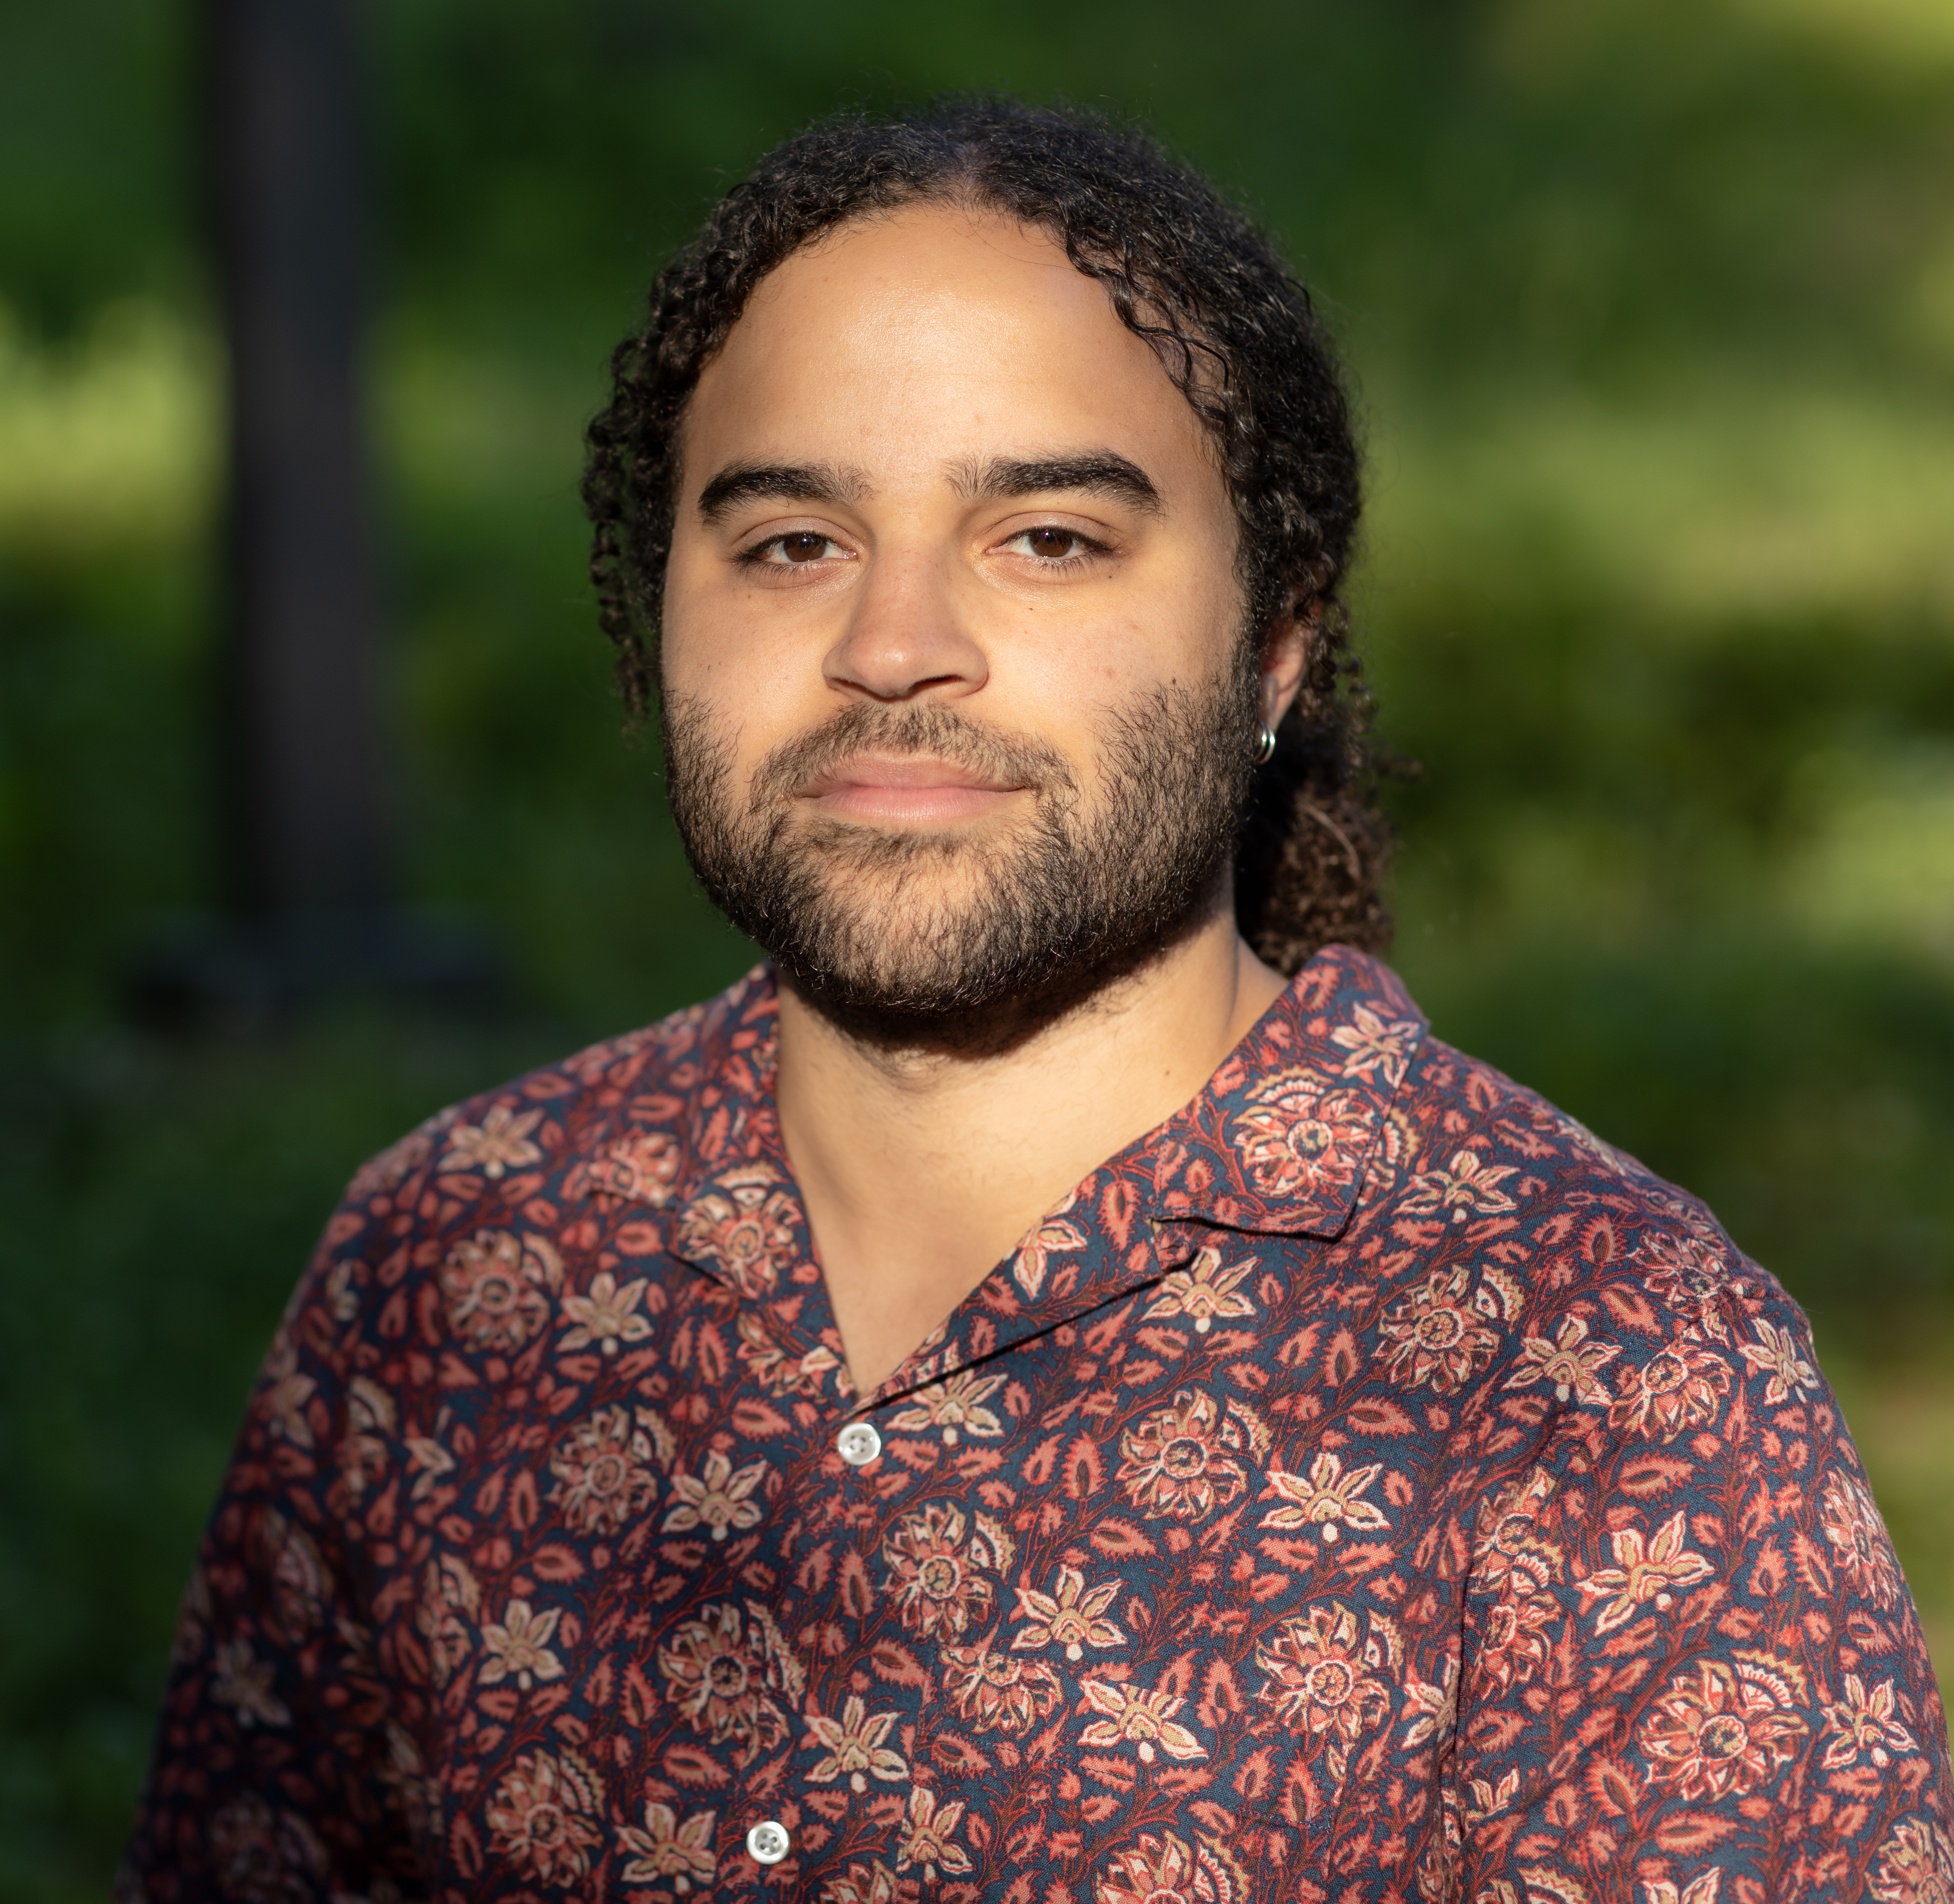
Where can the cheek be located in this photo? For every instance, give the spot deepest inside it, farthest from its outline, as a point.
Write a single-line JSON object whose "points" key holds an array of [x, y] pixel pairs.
{"points": [[1060, 679], [1176, 629], [716, 648], [694, 651]]}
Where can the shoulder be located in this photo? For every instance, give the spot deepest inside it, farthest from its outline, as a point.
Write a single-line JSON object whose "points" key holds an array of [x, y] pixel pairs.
{"points": [[1515, 1177], [506, 1172], [568, 1113], [1605, 1336], [1584, 1284]]}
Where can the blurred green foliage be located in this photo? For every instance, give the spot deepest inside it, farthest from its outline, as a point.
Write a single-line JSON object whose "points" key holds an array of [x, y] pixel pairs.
{"points": [[1651, 308]]}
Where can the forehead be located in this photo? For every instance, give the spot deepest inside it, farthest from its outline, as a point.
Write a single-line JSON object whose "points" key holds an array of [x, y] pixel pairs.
{"points": [[936, 333]]}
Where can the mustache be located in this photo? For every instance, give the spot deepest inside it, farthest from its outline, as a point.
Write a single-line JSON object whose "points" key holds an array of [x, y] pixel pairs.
{"points": [[941, 732]]}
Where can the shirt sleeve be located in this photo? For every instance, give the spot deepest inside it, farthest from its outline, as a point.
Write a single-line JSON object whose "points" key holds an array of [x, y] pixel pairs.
{"points": [[1691, 1672], [281, 1769]]}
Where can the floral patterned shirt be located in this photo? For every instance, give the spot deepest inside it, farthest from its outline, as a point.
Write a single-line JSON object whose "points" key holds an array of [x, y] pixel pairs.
{"points": [[1367, 1485]]}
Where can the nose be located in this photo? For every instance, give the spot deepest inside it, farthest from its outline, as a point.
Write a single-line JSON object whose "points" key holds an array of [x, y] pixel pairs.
{"points": [[905, 639]]}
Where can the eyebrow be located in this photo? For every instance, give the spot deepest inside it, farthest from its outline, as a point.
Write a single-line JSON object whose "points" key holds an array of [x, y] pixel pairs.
{"points": [[1102, 472], [811, 482]]}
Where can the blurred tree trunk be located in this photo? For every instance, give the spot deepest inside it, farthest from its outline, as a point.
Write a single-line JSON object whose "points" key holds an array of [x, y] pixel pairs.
{"points": [[307, 873], [304, 816]]}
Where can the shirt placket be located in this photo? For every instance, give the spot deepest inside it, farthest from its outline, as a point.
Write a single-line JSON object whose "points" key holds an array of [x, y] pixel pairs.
{"points": [[830, 1458]]}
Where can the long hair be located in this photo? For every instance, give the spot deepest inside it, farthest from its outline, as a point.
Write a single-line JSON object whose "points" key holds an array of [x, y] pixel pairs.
{"points": [[1233, 327]]}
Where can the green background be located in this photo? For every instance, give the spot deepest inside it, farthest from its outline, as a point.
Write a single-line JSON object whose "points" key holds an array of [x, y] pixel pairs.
{"points": [[1651, 309]]}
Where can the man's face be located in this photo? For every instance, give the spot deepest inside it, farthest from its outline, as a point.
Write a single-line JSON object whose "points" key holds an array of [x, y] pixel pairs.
{"points": [[957, 705]]}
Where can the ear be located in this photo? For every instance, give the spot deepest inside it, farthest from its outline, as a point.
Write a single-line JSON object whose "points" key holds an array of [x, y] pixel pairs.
{"points": [[1285, 657]]}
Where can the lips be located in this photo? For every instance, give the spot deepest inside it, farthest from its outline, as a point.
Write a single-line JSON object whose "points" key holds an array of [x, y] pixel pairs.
{"points": [[906, 773], [902, 767], [906, 790]]}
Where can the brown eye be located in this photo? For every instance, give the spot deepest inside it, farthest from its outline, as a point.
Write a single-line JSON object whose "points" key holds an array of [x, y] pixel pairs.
{"points": [[1054, 544], [803, 548]]}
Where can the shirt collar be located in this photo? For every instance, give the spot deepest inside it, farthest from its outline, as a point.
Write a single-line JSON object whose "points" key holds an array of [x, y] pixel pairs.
{"points": [[1279, 1143], [1280, 1140]]}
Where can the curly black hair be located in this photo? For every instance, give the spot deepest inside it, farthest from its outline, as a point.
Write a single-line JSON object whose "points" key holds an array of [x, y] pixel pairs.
{"points": [[1234, 328]]}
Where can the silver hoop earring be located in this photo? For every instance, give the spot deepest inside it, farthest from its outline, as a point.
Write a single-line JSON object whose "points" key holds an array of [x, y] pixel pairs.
{"points": [[1265, 746]]}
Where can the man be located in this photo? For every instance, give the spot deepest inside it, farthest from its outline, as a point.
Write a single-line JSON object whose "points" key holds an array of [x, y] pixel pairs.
{"points": [[1020, 1398]]}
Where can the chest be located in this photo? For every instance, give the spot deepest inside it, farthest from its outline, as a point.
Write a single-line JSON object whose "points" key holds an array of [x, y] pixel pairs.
{"points": [[1174, 1582]]}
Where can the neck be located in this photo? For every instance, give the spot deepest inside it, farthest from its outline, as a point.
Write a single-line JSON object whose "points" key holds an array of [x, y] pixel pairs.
{"points": [[922, 1163]]}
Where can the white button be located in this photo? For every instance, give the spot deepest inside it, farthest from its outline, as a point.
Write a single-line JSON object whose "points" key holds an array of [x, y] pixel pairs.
{"points": [[768, 1843], [858, 1444]]}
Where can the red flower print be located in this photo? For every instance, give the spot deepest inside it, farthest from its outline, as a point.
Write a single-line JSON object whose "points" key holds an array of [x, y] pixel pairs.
{"points": [[1206, 1292], [1432, 1712], [927, 1839], [1544, 1885], [1570, 1364], [603, 1480], [1163, 1869], [718, 1498], [300, 1582], [993, 1691], [1327, 1496], [243, 1682], [1487, 1800], [1182, 1461], [1690, 1277], [1865, 1722], [544, 1816], [1054, 1236], [369, 1425], [449, 1602], [1702, 1888], [780, 1373], [1140, 1719], [954, 1408], [391, 1166], [1916, 1865], [499, 1142], [1321, 1675], [263, 1857], [1509, 1551], [1468, 1187], [855, 1746], [937, 1560], [605, 1317], [1073, 1616], [1514, 1644], [1376, 1047], [1857, 1536], [643, 1166], [1720, 1728], [1433, 1335], [498, 1286], [1775, 1354], [428, 1461], [861, 1884], [723, 1670], [744, 1224], [1644, 1571], [668, 1847], [1304, 1135], [518, 1647], [1678, 1388], [285, 1400]]}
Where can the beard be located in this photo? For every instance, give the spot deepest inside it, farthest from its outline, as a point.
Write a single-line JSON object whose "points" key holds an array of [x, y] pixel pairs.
{"points": [[955, 939]]}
